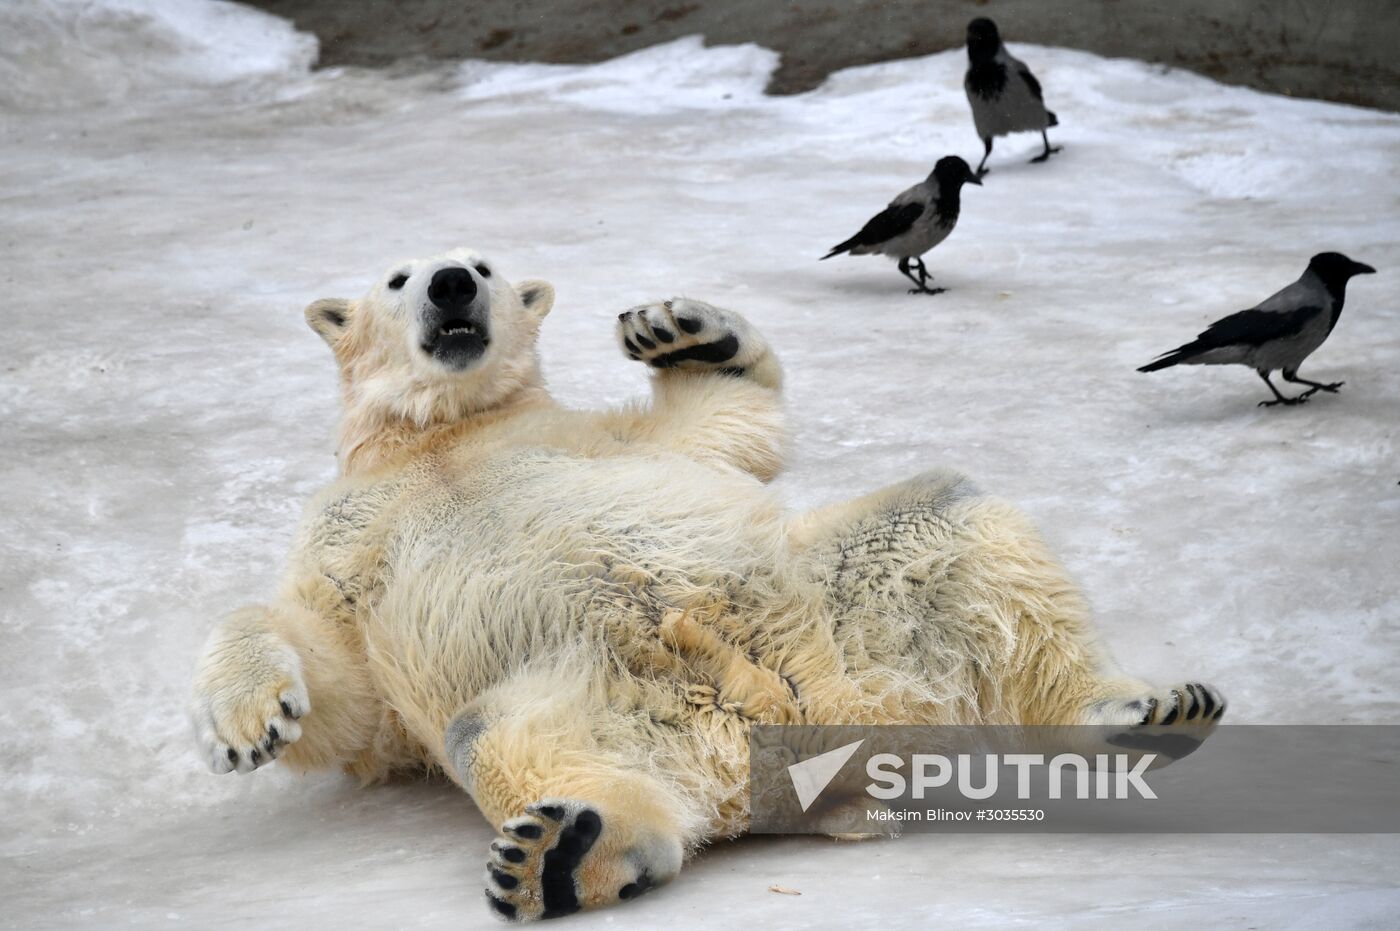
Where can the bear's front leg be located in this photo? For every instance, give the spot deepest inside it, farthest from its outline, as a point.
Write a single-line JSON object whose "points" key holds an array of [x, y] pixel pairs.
{"points": [[281, 681], [249, 694], [717, 386]]}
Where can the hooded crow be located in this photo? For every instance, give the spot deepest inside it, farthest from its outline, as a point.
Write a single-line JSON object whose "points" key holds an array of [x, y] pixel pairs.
{"points": [[1280, 332], [1004, 95], [915, 222]]}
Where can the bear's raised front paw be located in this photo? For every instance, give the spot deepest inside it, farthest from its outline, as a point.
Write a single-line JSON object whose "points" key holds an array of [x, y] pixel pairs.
{"points": [[249, 695], [690, 335], [562, 856]]}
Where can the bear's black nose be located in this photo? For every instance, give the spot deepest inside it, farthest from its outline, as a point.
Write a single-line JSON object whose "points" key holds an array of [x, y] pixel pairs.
{"points": [[452, 288]]}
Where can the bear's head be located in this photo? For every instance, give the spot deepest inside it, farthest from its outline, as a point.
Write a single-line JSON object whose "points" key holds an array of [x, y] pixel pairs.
{"points": [[433, 342]]}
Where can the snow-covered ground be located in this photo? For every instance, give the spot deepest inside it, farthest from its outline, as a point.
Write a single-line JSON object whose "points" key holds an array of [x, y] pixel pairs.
{"points": [[175, 186]]}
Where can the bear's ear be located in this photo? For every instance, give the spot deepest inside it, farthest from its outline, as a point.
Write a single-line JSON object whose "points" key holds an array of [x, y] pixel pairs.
{"points": [[328, 317], [537, 296]]}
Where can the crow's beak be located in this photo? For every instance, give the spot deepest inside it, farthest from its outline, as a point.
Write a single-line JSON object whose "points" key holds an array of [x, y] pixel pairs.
{"points": [[1359, 269], [973, 179]]}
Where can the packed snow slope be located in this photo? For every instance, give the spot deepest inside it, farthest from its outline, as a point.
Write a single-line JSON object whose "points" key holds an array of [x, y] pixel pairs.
{"points": [[177, 185]]}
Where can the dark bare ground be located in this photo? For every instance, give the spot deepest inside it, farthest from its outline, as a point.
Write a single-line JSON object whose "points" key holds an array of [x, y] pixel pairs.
{"points": [[1343, 51]]}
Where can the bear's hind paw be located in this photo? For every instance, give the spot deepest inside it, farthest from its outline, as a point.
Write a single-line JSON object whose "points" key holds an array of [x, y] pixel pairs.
{"points": [[561, 857], [1170, 722]]}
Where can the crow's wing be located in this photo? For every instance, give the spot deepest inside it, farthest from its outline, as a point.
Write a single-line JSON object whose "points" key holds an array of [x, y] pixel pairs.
{"points": [[888, 223], [1030, 80], [1248, 329], [1256, 327], [894, 220]]}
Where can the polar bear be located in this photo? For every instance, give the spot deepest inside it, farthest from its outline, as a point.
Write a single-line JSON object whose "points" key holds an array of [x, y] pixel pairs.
{"points": [[578, 615]]}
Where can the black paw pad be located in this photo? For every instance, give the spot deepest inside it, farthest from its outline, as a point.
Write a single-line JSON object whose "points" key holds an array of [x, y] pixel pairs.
{"points": [[1176, 709], [1194, 710], [1150, 710], [557, 878], [721, 350], [688, 324], [1207, 703], [502, 907], [504, 880], [634, 889], [552, 812]]}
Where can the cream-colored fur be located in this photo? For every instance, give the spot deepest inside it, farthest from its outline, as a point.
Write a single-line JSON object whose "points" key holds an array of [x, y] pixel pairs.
{"points": [[585, 611]]}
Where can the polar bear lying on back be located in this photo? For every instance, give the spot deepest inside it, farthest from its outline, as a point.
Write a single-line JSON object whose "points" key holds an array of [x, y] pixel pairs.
{"points": [[579, 614]]}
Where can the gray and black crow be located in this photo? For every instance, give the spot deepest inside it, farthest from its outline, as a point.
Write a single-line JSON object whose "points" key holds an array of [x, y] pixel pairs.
{"points": [[915, 222], [1005, 96], [1280, 332]]}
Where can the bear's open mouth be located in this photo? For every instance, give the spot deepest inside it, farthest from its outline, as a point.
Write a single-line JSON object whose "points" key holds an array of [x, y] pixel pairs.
{"points": [[457, 342], [453, 327]]}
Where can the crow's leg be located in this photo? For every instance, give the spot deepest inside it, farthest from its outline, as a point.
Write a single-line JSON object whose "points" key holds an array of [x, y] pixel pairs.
{"points": [[1301, 399], [920, 281], [1049, 149], [904, 270], [925, 277], [982, 168], [1292, 375]]}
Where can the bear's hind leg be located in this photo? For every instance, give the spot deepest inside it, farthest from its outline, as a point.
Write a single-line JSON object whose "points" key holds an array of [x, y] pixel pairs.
{"points": [[582, 824], [1058, 672], [958, 588]]}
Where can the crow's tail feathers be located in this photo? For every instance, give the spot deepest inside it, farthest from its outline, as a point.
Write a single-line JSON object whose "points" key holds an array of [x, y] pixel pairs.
{"points": [[1054, 120], [1165, 362], [838, 249], [1167, 359]]}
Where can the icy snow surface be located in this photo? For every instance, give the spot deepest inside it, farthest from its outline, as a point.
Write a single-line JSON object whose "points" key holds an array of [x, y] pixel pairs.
{"points": [[176, 187]]}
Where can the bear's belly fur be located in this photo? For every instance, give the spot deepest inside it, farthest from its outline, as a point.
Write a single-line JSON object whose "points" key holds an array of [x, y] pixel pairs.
{"points": [[469, 567]]}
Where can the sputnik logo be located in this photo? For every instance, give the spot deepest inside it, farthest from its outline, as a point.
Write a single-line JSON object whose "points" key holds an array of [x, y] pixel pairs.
{"points": [[810, 777]]}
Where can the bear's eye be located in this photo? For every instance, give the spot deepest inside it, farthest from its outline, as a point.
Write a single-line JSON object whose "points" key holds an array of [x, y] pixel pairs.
{"points": [[483, 271], [398, 281]]}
